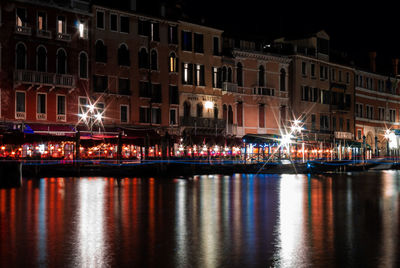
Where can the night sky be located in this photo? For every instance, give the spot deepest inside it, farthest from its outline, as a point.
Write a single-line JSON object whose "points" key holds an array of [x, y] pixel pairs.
{"points": [[354, 29]]}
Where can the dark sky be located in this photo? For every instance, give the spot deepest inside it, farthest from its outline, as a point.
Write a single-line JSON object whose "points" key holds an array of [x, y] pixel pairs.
{"points": [[354, 28]]}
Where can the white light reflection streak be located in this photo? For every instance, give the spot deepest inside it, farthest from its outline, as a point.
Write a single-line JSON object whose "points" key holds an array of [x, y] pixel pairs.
{"points": [[91, 223], [181, 228], [42, 226], [291, 246]]}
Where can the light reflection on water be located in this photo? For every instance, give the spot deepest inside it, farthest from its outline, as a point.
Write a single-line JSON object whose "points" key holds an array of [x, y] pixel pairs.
{"points": [[203, 221]]}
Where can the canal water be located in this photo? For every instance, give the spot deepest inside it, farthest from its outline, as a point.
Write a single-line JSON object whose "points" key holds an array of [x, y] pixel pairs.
{"points": [[203, 221]]}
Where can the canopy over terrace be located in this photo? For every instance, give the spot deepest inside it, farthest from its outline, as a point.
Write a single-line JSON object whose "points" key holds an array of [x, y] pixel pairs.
{"points": [[262, 139]]}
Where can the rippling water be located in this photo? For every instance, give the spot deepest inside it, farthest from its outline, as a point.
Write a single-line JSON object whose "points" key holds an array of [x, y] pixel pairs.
{"points": [[203, 221]]}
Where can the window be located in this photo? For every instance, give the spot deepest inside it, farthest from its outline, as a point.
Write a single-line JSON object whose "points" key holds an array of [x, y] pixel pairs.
{"points": [[155, 31], [41, 59], [143, 59], [239, 114], [61, 61], [199, 77], [187, 76], [41, 21], [324, 122], [144, 114], [215, 111], [325, 97], [304, 68], [173, 95], [334, 123], [144, 27], [348, 78], [154, 60], [101, 52], [123, 56], [359, 134], [381, 114], [340, 76], [173, 35], [173, 63], [199, 110], [156, 93], [186, 41], [124, 86], [144, 89], [216, 46], [283, 80], [341, 124], [229, 74], [239, 75], [83, 65], [348, 125], [186, 109], [216, 77], [61, 25], [198, 43], [173, 117], [156, 115], [312, 70], [20, 99], [60, 105], [369, 111], [124, 113], [21, 17], [83, 30], [21, 56], [224, 76], [392, 115], [82, 106], [100, 19], [100, 83], [333, 74], [313, 120], [41, 103], [114, 22], [124, 24], [261, 116], [261, 74]]}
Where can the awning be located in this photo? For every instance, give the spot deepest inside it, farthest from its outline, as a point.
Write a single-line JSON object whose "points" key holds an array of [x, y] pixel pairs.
{"points": [[54, 130], [261, 138]]}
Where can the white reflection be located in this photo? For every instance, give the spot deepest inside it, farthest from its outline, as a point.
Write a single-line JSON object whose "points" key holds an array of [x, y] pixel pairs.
{"points": [[42, 226], [91, 223], [291, 221], [181, 228], [389, 208]]}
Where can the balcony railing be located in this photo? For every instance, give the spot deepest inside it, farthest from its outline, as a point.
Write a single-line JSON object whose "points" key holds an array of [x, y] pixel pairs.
{"points": [[23, 30], [44, 34], [61, 118], [20, 115], [41, 116], [202, 122], [44, 79], [63, 37], [340, 107], [229, 87]]}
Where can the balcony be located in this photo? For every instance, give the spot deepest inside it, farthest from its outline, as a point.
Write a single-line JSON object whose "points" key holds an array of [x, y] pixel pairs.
{"points": [[63, 37], [229, 87], [41, 116], [20, 115], [61, 118], [43, 34], [23, 30], [201, 122], [44, 79], [263, 91]]}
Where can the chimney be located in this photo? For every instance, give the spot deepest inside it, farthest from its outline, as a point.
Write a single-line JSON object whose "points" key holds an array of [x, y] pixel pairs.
{"points": [[372, 61], [395, 66], [133, 5]]}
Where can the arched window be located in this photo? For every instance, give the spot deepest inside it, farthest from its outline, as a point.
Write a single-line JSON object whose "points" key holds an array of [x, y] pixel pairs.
{"points": [[61, 61], [173, 64], [154, 65], [283, 80], [143, 59], [239, 74], [215, 111], [261, 73], [21, 56], [41, 59], [230, 115], [101, 52], [224, 74], [123, 56], [199, 112], [186, 109], [83, 65], [230, 75], [239, 114]]}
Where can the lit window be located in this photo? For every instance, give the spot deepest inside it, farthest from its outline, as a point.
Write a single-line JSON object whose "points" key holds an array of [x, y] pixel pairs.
{"points": [[61, 25], [172, 63]]}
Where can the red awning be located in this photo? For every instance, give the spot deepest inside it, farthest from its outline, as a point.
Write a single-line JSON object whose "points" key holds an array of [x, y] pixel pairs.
{"points": [[55, 130]]}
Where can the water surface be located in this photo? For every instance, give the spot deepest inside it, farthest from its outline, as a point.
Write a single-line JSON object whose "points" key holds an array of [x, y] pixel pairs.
{"points": [[203, 221]]}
